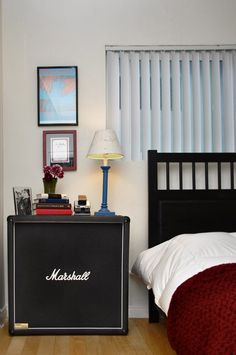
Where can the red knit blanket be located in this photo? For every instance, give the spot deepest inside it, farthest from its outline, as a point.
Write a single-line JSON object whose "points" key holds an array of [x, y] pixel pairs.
{"points": [[202, 314]]}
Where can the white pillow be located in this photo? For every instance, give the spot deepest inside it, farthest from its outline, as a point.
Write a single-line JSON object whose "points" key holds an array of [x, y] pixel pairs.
{"points": [[147, 261]]}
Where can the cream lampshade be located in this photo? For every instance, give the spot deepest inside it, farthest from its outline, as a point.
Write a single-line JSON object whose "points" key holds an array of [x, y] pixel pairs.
{"points": [[105, 145]]}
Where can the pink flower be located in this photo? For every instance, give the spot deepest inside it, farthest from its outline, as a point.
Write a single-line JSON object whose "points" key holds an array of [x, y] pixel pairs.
{"points": [[48, 177], [47, 169], [53, 172], [56, 170], [61, 174]]}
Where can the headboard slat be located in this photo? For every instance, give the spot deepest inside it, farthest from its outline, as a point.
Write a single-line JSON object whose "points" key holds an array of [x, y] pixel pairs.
{"points": [[232, 175], [194, 176], [206, 176], [219, 175], [168, 176], [181, 176]]}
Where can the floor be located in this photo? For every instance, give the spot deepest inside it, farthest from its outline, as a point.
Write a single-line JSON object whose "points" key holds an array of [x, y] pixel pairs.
{"points": [[143, 339]]}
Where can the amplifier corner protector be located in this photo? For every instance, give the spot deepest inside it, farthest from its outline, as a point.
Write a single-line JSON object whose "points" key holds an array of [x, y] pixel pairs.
{"points": [[21, 325]]}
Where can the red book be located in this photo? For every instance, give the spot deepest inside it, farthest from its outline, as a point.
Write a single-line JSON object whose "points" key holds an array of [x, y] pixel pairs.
{"points": [[53, 211], [52, 205]]}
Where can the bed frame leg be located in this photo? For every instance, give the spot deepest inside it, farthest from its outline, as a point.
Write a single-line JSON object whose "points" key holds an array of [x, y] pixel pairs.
{"points": [[154, 315]]}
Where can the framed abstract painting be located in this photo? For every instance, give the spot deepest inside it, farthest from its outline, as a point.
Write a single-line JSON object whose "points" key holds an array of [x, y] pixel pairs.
{"points": [[57, 96]]}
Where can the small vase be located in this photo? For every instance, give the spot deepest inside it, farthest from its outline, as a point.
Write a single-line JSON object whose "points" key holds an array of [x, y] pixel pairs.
{"points": [[50, 186]]}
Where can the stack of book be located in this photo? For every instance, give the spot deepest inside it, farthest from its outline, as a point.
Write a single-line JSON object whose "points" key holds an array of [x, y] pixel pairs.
{"points": [[52, 204], [82, 206]]}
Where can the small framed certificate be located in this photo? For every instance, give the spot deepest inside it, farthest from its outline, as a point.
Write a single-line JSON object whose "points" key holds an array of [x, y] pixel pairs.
{"points": [[59, 147]]}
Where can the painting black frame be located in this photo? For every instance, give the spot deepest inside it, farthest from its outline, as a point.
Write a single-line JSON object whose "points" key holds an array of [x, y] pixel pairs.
{"points": [[59, 75]]}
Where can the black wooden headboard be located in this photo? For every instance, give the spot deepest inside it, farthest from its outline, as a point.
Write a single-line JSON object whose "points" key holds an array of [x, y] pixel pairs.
{"points": [[175, 209]]}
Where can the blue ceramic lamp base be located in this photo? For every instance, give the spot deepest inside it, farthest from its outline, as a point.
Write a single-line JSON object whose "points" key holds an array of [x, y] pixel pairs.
{"points": [[104, 211]]}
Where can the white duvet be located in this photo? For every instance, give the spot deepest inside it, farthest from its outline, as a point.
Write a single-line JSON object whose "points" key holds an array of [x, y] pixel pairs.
{"points": [[165, 266]]}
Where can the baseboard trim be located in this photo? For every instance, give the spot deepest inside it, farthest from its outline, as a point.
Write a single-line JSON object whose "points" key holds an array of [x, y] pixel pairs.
{"points": [[3, 316], [138, 312]]}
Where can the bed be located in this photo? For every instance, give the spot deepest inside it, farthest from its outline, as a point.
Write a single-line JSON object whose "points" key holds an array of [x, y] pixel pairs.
{"points": [[192, 229]]}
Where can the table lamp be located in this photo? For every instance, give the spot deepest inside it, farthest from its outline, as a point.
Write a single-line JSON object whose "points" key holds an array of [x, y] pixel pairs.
{"points": [[105, 146]]}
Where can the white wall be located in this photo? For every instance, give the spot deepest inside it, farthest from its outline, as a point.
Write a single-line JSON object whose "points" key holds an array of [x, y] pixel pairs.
{"points": [[2, 298], [75, 32]]}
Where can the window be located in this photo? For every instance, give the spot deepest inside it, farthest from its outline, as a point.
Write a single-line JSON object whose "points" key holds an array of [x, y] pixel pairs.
{"points": [[172, 100]]}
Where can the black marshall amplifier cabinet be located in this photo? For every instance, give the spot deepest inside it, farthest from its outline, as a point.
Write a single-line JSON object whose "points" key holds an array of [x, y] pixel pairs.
{"points": [[68, 274]]}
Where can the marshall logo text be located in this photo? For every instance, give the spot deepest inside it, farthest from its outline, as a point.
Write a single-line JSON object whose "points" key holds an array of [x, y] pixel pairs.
{"points": [[57, 276]]}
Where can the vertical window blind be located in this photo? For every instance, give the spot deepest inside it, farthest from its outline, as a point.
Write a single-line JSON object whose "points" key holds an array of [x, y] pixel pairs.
{"points": [[172, 100]]}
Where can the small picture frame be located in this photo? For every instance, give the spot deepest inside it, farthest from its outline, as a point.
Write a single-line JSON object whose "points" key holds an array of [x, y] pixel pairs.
{"points": [[60, 147], [57, 96], [23, 201]]}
